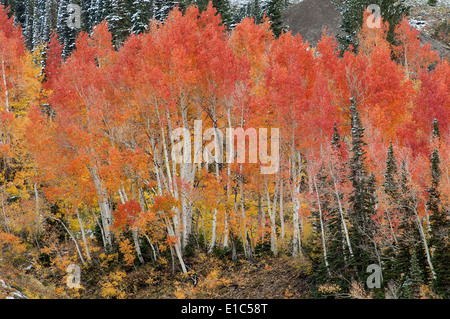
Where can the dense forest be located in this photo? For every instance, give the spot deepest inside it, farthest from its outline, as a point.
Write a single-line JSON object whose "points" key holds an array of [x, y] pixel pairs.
{"points": [[93, 122]]}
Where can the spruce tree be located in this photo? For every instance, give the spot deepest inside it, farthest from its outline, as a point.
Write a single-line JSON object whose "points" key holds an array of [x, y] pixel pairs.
{"points": [[28, 25], [141, 15], [390, 186], [390, 182], [352, 11], [439, 224], [362, 199], [336, 138], [416, 277], [253, 9], [66, 34], [338, 251], [274, 9], [407, 236], [119, 21], [223, 7], [436, 133], [162, 9], [37, 23], [409, 240]]}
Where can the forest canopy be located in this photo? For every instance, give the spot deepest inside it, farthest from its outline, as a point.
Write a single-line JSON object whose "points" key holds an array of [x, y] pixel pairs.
{"points": [[87, 176]]}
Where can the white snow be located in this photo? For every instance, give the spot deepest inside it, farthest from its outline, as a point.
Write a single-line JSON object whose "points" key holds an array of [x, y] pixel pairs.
{"points": [[13, 293]]}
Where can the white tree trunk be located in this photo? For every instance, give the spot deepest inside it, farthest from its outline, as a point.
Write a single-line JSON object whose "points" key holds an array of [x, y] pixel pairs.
{"points": [[105, 209], [282, 210], [83, 235], [177, 245], [322, 228], [273, 231], [6, 87], [341, 213], [424, 240], [213, 231]]}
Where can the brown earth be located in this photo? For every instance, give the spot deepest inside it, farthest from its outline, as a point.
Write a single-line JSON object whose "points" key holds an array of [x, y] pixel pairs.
{"points": [[310, 17]]}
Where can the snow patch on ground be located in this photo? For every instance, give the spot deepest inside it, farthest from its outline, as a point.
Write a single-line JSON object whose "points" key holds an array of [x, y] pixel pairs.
{"points": [[424, 2], [10, 292]]}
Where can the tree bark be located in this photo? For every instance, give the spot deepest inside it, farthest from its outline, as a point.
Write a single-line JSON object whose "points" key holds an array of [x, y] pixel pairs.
{"points": [[322, 228], [105, 209], [83, 235]]}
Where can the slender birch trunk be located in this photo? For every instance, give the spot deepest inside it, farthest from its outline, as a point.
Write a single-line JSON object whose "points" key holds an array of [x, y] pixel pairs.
{"points": [[273, 232], [213, 231], [83, 235], [105, 209], [424, 239], [295, 193], [341, 210], [6, 87], [101, 230], [177, 246], [322, 228], [72, 237], [282, 210]]}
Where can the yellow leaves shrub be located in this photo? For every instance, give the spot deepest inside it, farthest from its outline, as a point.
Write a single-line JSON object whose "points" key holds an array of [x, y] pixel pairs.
{"points": [[303, 266], [126, 248], [113, 287], [108, 259], [207, 287], [329, 289], [357, 291]]}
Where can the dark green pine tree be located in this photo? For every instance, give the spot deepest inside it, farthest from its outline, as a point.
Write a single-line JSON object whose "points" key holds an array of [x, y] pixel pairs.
{"points": [[352, 11], [338, 251], [105, 9], [98, 11], [66, 34], [223, 7], [390, 176], [436, 133], [16, 9], [85, 19], [274, 9], [416, 277], [201, 4], [119, 21], [362, 200], [314, 247], [162, 8], [140, 19], [37, 25], [27, 25], [336, 138], [409, 240], [49, 21], [252, 9], [439, 224], [391, 189]]}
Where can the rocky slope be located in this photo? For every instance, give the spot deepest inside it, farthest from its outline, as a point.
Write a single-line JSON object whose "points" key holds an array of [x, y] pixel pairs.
{"points": [[310, 17]]}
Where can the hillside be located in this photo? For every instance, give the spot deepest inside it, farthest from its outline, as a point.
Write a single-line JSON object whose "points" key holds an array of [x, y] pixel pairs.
{"points": [[310, 17], [178, 156]]}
